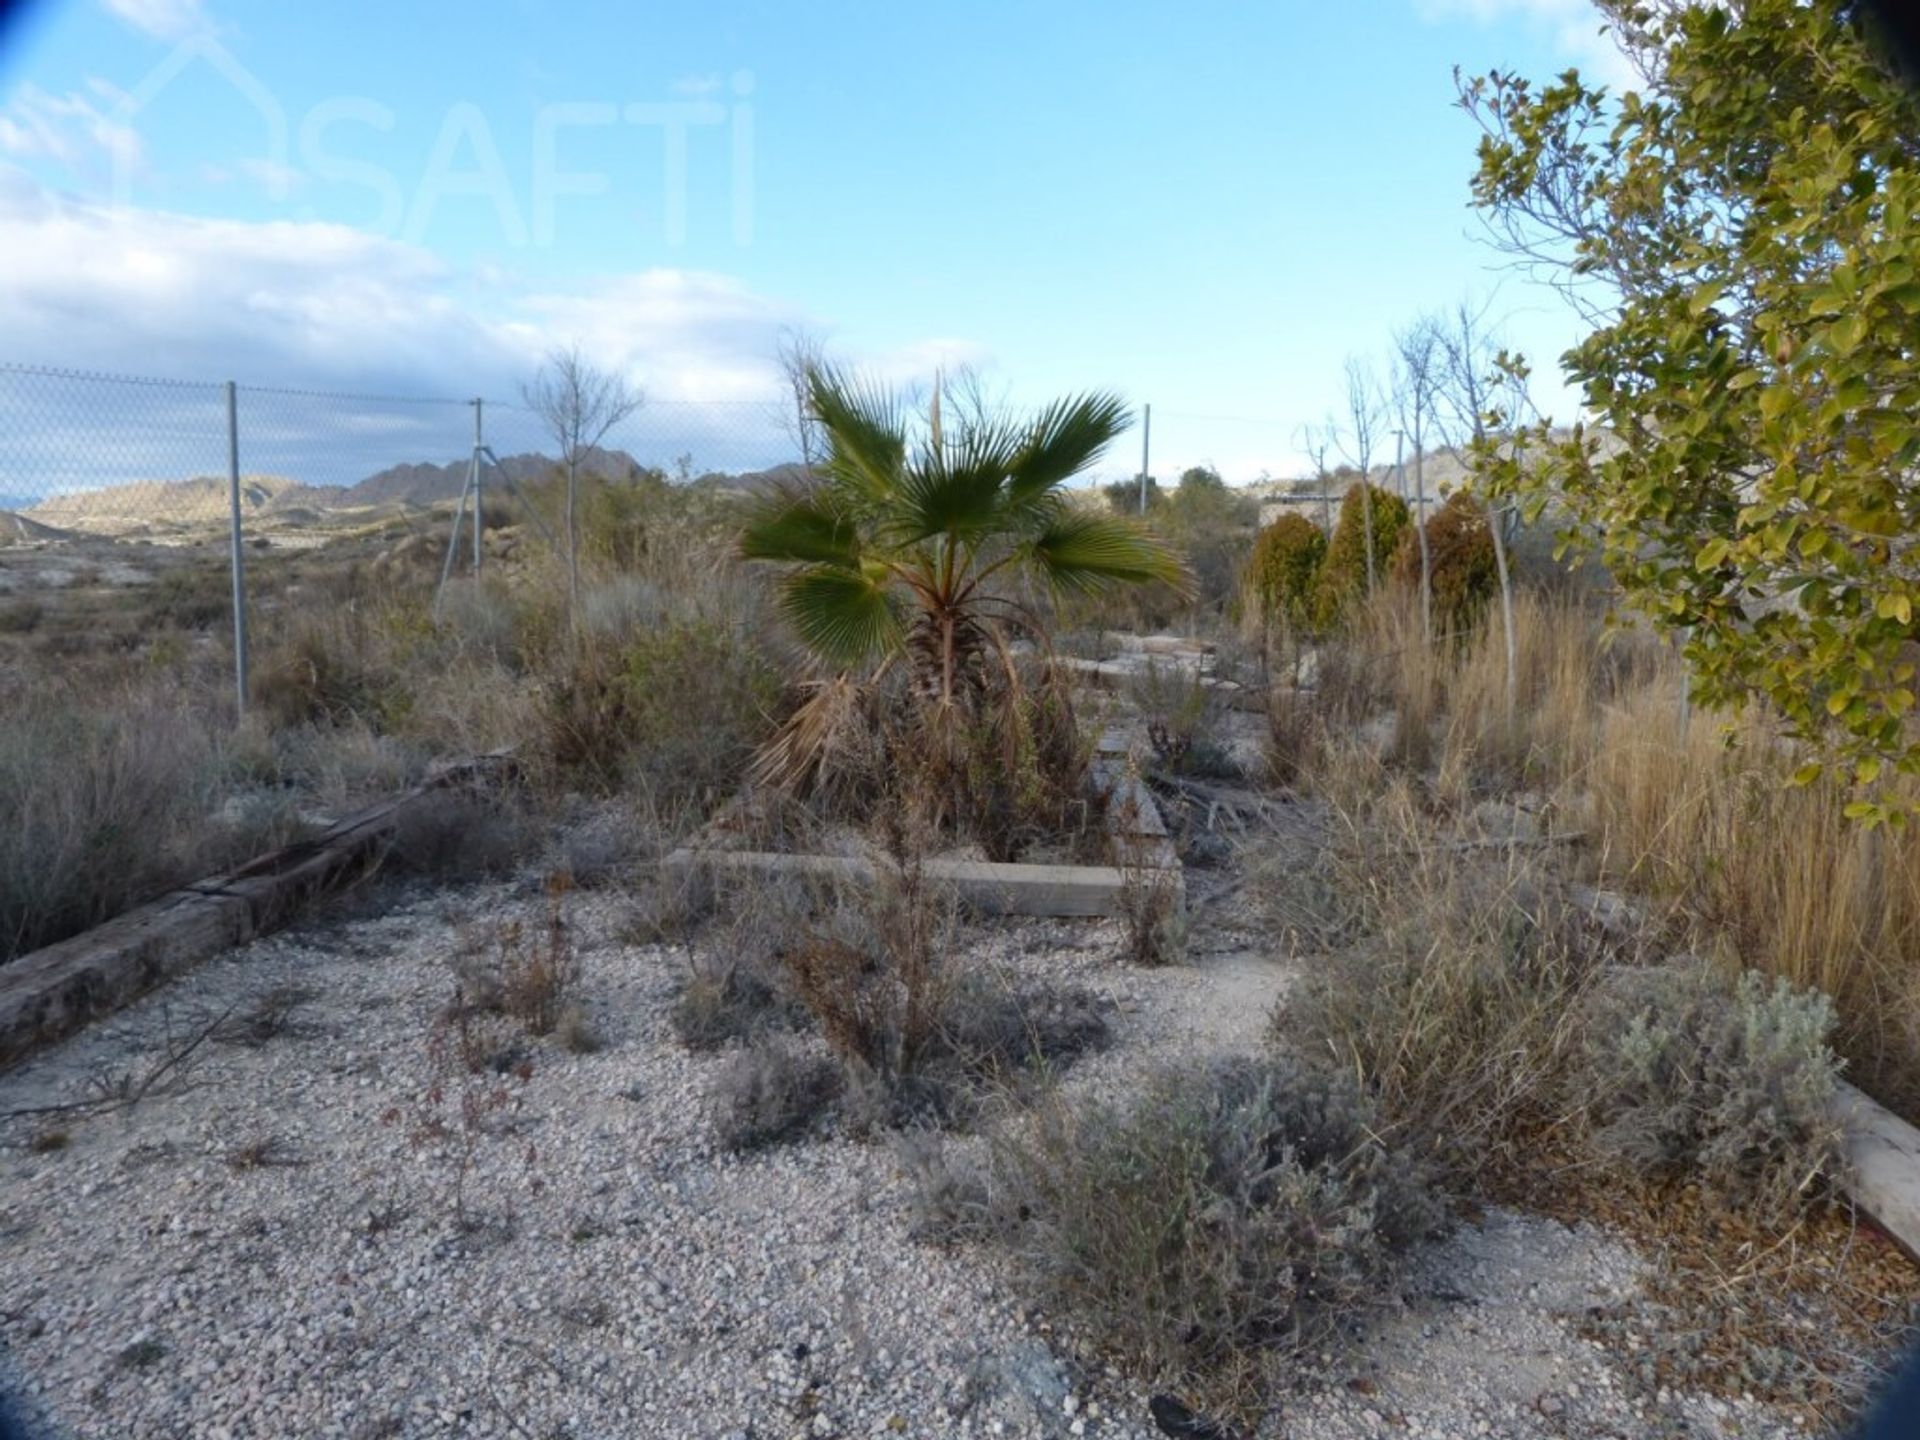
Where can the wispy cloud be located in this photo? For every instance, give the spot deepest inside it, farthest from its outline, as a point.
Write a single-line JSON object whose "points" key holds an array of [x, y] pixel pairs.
{"points": [[71, 130], [165, 19], [1574, 27]]}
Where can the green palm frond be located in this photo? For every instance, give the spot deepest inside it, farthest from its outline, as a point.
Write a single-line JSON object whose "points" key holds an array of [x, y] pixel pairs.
{"points": [[844, 615], [1063, 440], [866, 433], [958, 489], [1085, 550], [806, 529]]}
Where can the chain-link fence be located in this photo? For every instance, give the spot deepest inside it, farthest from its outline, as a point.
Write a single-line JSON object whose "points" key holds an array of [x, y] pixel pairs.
{"points": [[92, 465]]}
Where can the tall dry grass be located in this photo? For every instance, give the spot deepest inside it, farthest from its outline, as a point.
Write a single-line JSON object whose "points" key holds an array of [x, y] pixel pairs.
{"points": [[1754, 872], [1690, 812], [112, 796], [123, 772]]}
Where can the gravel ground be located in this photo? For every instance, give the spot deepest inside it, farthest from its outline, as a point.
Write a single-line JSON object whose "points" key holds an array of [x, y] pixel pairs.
{"points": [[263, 1246]]}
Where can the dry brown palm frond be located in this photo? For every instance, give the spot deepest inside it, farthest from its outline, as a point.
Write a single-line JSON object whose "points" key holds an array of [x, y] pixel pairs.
{"points": [[827, 749]]}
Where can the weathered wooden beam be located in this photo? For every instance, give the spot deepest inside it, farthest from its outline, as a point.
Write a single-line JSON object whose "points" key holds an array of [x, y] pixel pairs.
{"points": [[1882, 1154], [51, 992], [1117, 675], [1157, 644]]}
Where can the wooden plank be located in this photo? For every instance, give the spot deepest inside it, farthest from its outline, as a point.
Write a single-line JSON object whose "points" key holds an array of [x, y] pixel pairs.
{"points": [[53, 991], [984, 886], [1882, 1153]]}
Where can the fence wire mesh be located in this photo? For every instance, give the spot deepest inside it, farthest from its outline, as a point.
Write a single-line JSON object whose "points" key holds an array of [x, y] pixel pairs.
{"points": [[92, 463]]}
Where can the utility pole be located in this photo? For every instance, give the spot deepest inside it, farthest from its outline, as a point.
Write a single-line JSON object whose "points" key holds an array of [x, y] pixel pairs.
{"points": [[1146, 437]]}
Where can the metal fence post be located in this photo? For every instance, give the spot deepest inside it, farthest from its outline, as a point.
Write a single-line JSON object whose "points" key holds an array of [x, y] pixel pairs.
{"points": [[479, 444], [239, 554]]}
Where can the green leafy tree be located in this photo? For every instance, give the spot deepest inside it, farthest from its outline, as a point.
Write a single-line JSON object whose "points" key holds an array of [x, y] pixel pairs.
{"points": [[1283, 571], [910, 544], [1743, 231], [1367, 512]]}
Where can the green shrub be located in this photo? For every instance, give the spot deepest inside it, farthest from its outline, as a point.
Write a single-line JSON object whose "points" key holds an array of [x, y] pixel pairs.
{"points": [[1460, 547], [678, 710], [193, 596], [323, 671], [1729, 1087], [1239, 1207], [1343, 574], [20, 617], [1285, 569]]}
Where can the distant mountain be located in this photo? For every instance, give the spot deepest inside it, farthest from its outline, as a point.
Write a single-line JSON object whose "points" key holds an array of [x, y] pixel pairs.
{"points": [[155, 506], [422, 483], [190, 507], [17, 529]]}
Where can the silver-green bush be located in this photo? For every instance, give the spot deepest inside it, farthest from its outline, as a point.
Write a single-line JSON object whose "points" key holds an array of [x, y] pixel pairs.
{"points": [[1732, 1087]]}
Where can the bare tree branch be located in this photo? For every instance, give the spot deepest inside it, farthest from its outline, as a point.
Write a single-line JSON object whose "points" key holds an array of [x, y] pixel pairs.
{"points": [[579, 404]]}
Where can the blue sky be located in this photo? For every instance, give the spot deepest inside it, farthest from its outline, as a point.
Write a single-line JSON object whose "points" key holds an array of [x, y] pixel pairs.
{"points": [[1206, 206]]}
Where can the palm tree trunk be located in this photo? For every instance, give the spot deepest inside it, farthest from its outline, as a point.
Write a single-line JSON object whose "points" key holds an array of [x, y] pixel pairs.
{"points": [[946, 659]]}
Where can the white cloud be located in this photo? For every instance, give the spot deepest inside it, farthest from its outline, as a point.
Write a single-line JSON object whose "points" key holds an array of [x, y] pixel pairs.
{"points": [[166, 19], [126, 290], [1575, 28], [70, 130]]}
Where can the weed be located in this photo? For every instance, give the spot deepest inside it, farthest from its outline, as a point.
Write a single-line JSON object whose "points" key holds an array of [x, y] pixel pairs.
{"points": [[467, 1099], [538, 972], [675, 710], [1456, 998], [735, 985], [269, 1016], [104, 809], [1152, 916], [1184, 717], [770, 1092], [258, 1153], [577, 1033], [456, 834]]}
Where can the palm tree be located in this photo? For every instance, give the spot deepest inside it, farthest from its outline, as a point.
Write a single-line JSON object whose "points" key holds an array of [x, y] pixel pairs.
{"points": [[903, 548], [918, 545]]}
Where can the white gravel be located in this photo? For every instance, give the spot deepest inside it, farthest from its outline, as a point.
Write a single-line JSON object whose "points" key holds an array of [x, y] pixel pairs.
{"points": [[622, 1277]]}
